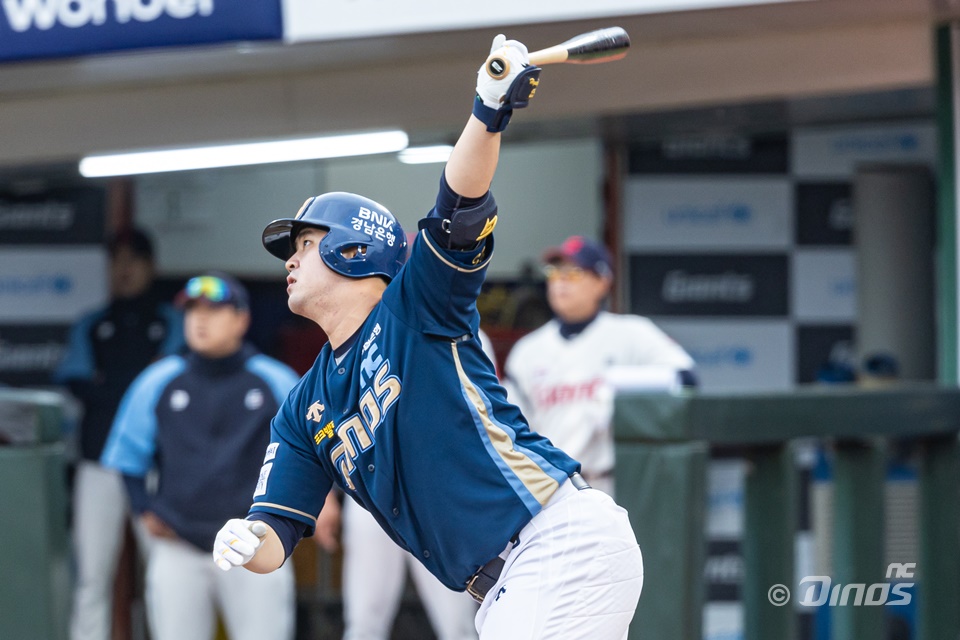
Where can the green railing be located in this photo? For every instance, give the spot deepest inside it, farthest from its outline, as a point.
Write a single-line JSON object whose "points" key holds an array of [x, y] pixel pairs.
{"points": [[663, 446], [34, 569]]}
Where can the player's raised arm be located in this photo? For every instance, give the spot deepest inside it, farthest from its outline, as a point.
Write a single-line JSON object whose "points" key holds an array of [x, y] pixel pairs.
{"points": [[471, 166]]}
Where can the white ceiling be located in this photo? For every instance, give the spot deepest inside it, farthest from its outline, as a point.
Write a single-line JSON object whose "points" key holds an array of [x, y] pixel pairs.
{"points": [[152, 67], [57, 110]]}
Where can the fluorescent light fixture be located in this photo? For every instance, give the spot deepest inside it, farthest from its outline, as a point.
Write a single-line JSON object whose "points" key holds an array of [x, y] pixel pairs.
{"points": [[666, 6], [306, 21], [425, 155], [235, 155]]}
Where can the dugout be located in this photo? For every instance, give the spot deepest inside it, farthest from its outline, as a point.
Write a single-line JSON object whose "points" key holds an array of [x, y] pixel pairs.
{"points": [[664, 442], [35, 590]]}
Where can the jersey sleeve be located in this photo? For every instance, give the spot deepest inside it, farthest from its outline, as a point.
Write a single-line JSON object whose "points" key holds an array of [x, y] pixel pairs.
{"points": [[436, 292], [280, 378], [77, 362], [132, 442], [514, 381], [292, 483], [651, 346], [175, 340]]}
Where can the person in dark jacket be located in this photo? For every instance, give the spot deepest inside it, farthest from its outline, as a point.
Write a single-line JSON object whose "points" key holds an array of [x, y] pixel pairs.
{"points": [[187, 428], [107, 348]]}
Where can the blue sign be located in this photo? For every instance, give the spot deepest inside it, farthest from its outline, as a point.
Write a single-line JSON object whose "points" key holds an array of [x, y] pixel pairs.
{"points": [[61, 28], [723, 355], [693, 215]]}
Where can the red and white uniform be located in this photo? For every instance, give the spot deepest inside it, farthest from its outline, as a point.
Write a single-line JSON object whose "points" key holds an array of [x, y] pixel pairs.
{"points": [[565, 386]]}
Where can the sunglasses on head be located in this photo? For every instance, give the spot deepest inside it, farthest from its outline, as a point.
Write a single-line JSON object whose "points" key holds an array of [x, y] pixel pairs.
{"points": [[209, 288]]}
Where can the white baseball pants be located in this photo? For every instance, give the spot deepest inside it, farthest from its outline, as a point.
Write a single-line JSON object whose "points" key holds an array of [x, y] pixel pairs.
{"points": [[185, 589], [99, 512], [575, 574]]}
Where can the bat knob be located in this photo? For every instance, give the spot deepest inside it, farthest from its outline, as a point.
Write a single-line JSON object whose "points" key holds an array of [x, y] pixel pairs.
{"points": [[497, 67]]}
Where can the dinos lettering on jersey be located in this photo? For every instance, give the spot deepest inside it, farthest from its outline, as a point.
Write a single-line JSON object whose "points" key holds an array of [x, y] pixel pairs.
{"points": [[369, 364], [358, 432]]}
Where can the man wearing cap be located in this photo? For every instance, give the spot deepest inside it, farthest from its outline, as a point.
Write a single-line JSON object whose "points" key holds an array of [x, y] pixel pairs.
{"points": [[563, 374], [194, 425], [107, 348]]}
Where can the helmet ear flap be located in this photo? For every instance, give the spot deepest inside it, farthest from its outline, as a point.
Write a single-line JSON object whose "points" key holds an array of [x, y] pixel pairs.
{"points": [[350, 252]]}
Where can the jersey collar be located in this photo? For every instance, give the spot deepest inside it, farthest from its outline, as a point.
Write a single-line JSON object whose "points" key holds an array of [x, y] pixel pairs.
{"points": [[342, 350], [570, 330]]}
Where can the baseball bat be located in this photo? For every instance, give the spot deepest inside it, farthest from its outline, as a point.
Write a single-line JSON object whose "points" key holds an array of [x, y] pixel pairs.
{"points": [[602, 45]]}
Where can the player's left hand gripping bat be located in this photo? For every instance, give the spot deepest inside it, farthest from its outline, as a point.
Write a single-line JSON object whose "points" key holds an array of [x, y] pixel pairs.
{"points": [[602, 45]]}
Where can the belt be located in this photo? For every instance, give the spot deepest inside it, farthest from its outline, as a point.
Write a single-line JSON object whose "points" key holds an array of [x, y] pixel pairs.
{"points": [[603, 475], [486, 576]]}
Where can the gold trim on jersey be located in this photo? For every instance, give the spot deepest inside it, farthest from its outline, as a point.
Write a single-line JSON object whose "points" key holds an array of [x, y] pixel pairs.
{"points": [[443, 259], [540, 485], [283, 508]]}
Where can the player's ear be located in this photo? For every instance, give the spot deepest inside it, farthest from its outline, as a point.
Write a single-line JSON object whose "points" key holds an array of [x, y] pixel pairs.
{"points": [[607, 284], [243, 320]]}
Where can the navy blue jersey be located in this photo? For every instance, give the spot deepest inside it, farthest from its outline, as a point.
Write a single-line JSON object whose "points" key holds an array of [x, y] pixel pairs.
{"points": [[106, 351], [412, 423], [203, 425]]}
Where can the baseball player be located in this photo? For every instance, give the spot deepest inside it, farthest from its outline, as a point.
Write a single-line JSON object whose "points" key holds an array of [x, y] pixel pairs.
{"points": [[403, 411], [374, 572], [563, 374], [107, 349], [199, 422]]}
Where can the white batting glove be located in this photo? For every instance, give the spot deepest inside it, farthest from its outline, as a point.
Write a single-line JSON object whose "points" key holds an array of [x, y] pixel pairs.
{"points": [[514, 55], [237, 542]]}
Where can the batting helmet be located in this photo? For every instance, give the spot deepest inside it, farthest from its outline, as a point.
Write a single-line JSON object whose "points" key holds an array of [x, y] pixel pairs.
{"points": [[352, 222]]}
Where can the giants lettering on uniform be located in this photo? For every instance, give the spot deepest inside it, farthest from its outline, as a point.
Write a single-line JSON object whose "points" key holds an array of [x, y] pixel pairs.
{"points": [[547, 397], [358, 432], [23, 15]]}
